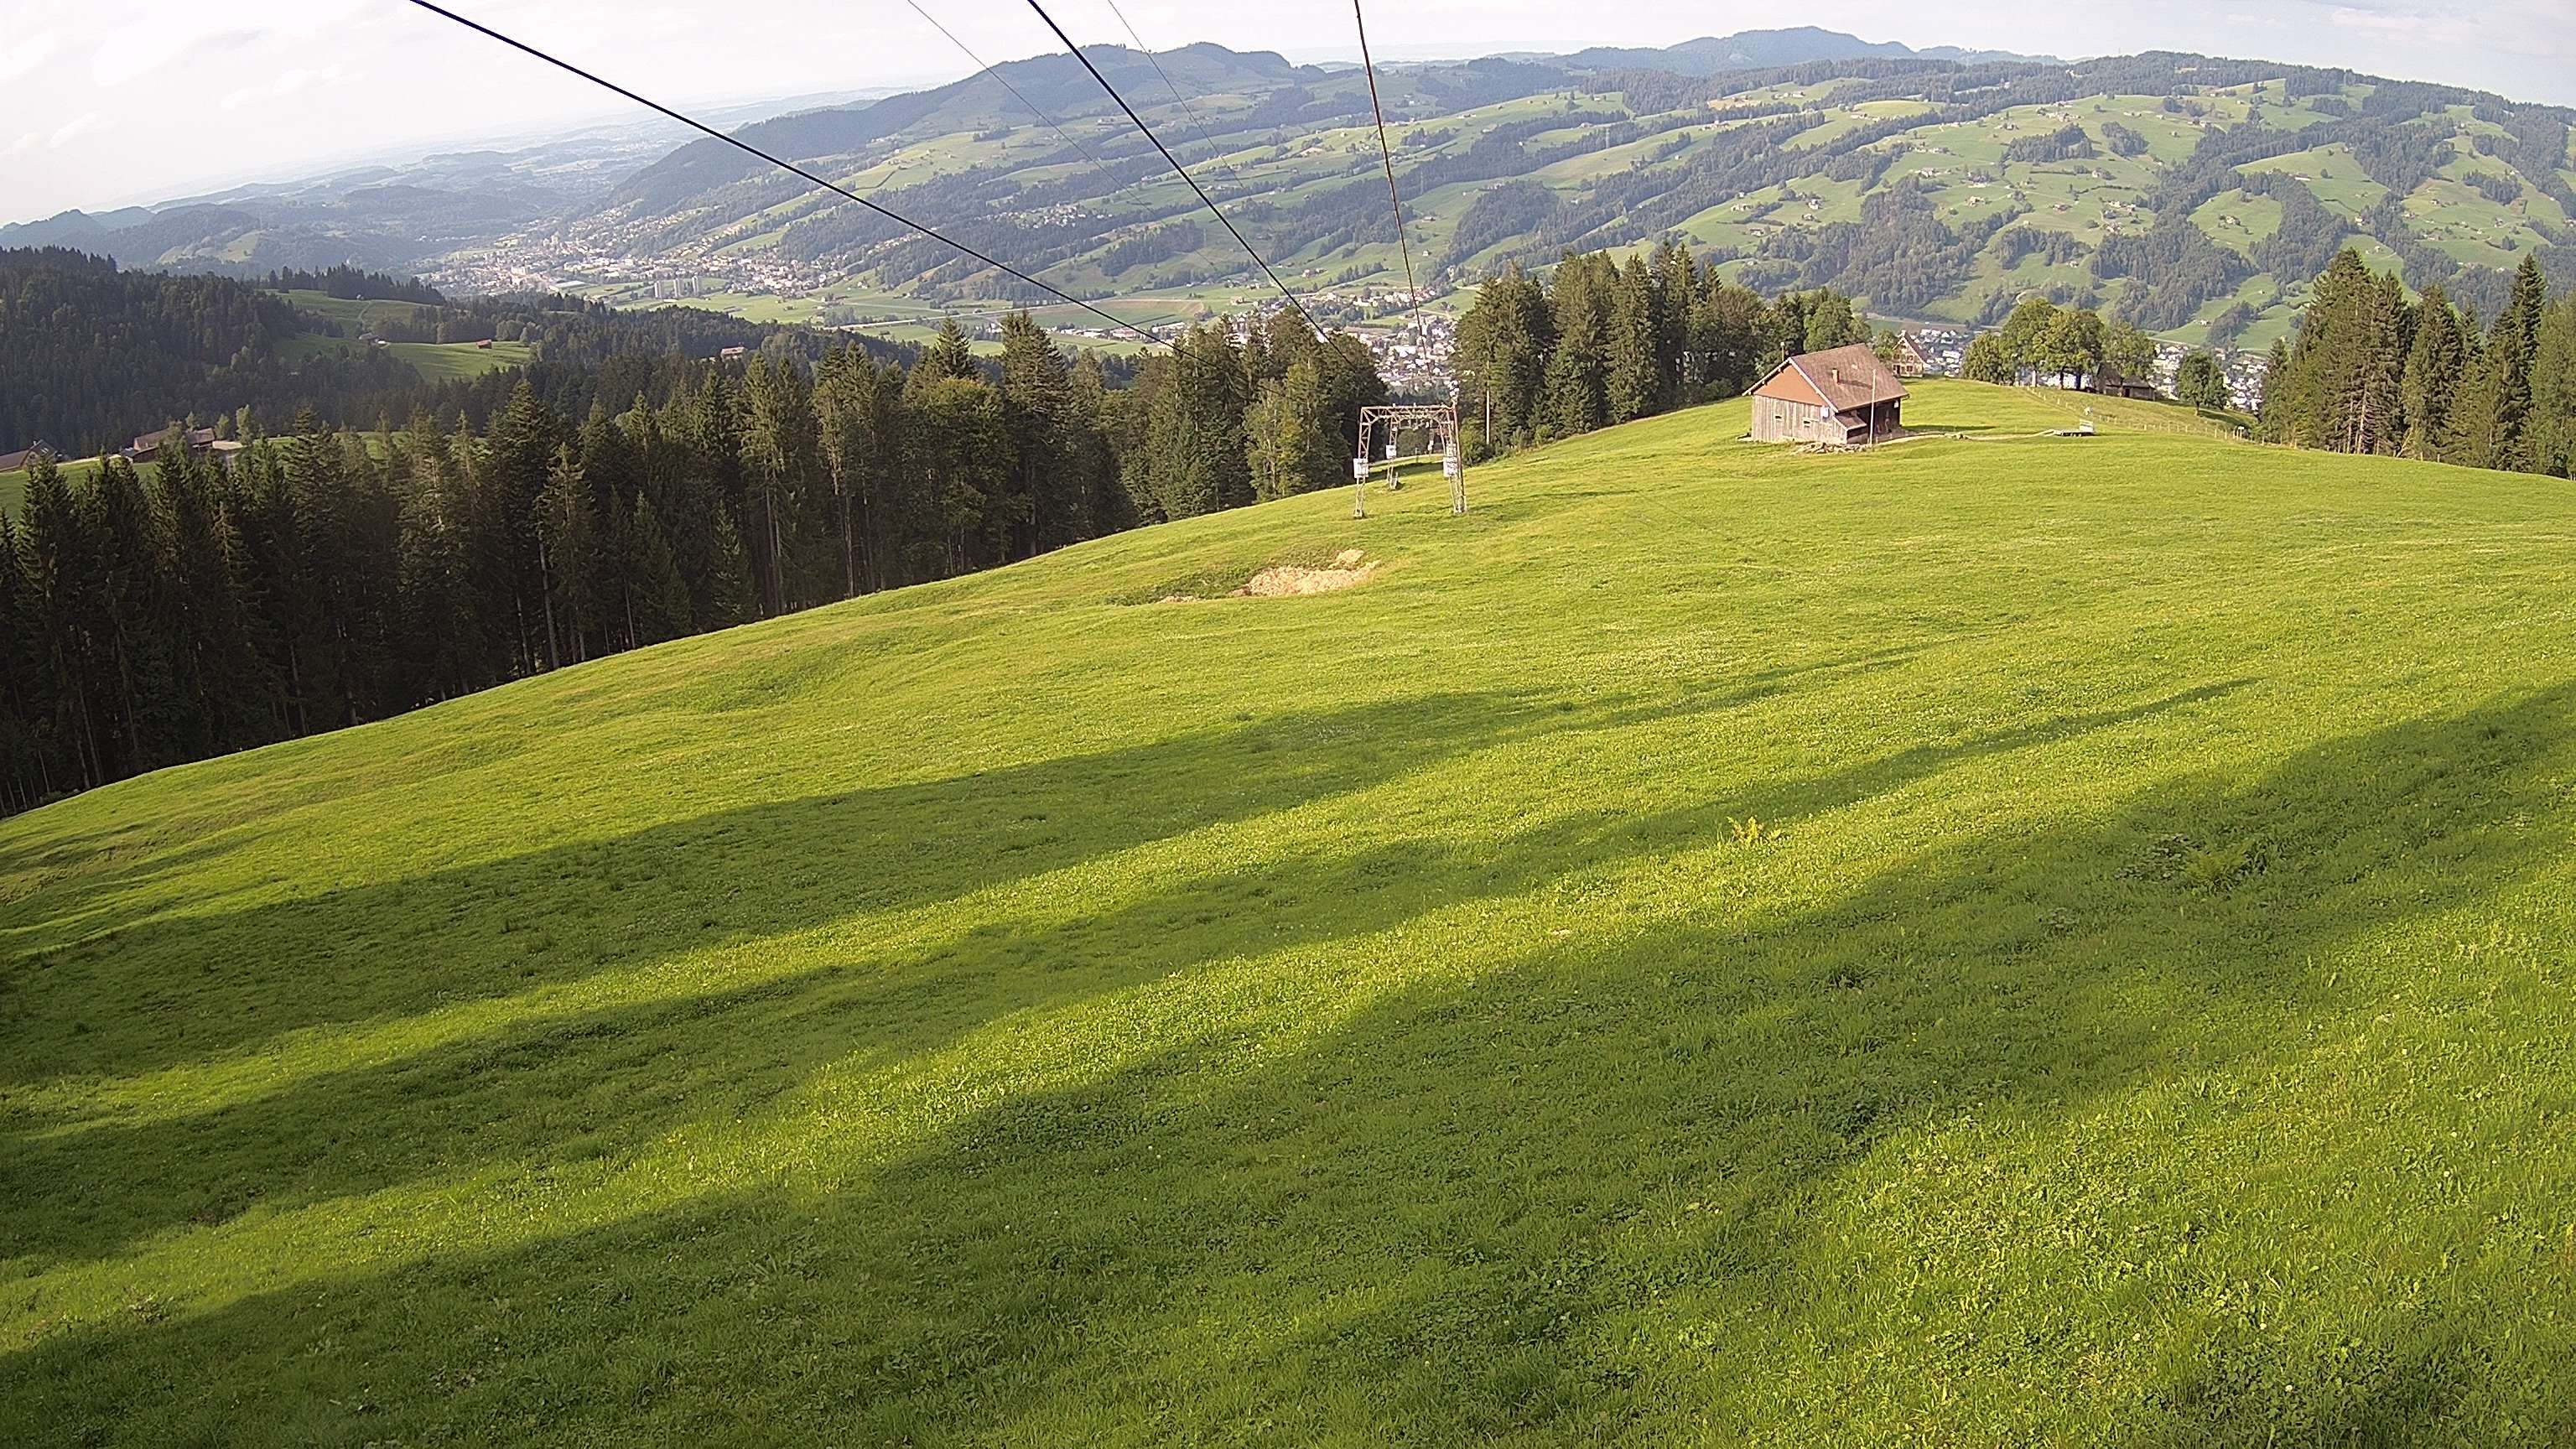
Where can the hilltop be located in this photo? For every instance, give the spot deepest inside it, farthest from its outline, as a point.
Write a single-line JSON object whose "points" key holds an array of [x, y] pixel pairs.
{"points": [[2000, 939]]}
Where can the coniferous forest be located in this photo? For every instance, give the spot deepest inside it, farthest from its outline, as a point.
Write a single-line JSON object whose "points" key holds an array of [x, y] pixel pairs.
{"points": [[2374, 371], [328, 577]]}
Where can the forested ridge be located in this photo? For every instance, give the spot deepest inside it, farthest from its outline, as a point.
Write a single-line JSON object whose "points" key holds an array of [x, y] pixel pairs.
{"points": [[92, 356], [88, 352], [328, 577]]}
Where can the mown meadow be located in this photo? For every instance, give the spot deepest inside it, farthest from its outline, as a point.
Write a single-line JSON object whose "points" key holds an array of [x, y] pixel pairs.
{"points": [[2002, 940]]}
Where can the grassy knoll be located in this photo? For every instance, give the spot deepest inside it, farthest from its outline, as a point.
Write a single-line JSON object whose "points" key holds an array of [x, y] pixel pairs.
{"points": [[1012, 1012], [439, 361], [434, 361]]}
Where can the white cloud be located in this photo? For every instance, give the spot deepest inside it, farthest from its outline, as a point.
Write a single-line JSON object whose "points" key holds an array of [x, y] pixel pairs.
{"points": [[128, 57], [2379, 22], [29, 51], [26, 142], [80, 125], [287, 83]]}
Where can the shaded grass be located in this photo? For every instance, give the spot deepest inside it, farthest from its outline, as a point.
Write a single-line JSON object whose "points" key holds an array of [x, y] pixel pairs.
{"points": [[992, 1014]]}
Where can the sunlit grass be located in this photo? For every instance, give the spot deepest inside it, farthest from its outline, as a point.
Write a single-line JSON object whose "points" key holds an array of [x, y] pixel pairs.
{"points": [[997, 1013]]}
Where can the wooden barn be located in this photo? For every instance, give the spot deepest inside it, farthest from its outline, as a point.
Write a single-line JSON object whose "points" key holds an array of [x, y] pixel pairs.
{"points": [[1844, 397]]}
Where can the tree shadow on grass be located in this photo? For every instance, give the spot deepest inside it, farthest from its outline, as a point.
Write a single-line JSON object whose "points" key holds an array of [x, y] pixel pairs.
{"points": [[198, 986], [603, 1084], [192, 987], [1445, 1215]]}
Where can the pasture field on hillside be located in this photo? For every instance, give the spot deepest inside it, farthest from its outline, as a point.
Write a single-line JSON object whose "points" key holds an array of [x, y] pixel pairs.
{"points": [[2002, 940], [355, 313], [439, 361], [13, 484]]}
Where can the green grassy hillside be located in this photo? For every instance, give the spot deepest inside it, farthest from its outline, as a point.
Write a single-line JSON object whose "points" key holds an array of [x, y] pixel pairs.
{"points": [[1028, 1010], [13, 484]]}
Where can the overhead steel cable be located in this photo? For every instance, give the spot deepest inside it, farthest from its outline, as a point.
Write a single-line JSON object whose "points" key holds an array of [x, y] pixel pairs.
{"points": [[1216, 153], [785, 165], [1177, 168], [985, 67], [1388, 154]]}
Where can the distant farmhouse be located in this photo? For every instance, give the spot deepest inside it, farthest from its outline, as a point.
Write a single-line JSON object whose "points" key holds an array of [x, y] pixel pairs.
{"points": [[199, 440], [1910, 361], [1840, 398]]}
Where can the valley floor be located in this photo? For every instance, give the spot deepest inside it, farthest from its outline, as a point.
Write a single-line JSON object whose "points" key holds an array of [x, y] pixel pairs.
{"points": [[2049, 941]]}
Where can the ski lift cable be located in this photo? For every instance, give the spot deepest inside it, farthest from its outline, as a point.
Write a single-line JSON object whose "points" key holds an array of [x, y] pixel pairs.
{"points": [[1216, 153], [984, 67], [1386, 154], [1178, 169], [784, 165]]}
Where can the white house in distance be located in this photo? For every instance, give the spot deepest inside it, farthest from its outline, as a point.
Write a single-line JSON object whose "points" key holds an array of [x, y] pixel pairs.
{"points": [[1841, 397]]}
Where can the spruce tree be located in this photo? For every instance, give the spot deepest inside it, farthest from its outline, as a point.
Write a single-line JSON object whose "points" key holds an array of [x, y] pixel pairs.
{"points": [[26, 688], [515, 461], [2274, 412], [662, 604], [2549, 444], [1578, 373], [567, 556], [1269, 441], [729, 585], [2430, 382], [1089, 455], [211, 660], [1047, 512], [56, 577], [1676, 284], [956, 447], [948, 356], [127, 618], [1634, 382]]}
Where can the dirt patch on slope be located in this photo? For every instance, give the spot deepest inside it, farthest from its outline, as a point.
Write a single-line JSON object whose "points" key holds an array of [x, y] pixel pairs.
{"points": [[1283, 580]]}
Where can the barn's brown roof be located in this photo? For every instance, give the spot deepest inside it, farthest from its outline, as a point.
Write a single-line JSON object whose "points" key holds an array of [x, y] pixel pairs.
{"points": [[1845, 377]]}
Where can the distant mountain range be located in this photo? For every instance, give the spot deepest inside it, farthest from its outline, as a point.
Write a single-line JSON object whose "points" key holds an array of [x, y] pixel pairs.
{"points": [[1766, 49], [2193, 194], [408, 216]]}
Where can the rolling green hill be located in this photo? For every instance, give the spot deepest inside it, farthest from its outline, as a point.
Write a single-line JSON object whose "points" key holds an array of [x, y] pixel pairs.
{"points": [[2197, 195], [2006, 939]]}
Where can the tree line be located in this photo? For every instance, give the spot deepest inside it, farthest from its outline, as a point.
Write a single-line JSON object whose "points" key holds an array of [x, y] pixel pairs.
{"points": [[2373, 371], [2071, 344], [1604, 341], [91, 355], [150, 616]]}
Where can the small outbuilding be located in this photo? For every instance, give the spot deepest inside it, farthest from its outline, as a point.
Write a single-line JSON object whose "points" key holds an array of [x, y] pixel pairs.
{"points": [[1841, 397]]}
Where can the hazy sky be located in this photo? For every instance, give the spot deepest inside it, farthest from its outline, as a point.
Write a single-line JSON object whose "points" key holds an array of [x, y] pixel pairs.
{"points": [[118, 101]]}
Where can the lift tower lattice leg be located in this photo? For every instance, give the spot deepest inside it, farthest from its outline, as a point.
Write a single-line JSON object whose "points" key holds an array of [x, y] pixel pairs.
{"points": [[1439, 421]]}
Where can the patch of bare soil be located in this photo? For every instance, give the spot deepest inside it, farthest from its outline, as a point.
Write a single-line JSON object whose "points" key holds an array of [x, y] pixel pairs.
{"points": [[1283, 580]]}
